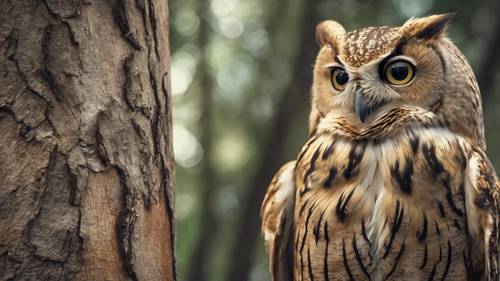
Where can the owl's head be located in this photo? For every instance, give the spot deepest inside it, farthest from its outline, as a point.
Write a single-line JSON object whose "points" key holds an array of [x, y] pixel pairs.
{"points": [[367, 74]]}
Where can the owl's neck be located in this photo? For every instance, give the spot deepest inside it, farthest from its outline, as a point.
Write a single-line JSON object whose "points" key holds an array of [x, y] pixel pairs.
{"points": [[388, 122]]}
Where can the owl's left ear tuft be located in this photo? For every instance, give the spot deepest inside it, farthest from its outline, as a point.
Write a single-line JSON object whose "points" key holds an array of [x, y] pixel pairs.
{"points": [[428, 28], [330, 32]]}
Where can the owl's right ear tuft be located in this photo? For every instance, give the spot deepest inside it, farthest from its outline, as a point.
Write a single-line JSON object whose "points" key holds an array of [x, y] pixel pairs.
{"points": [[330, 32], [428, 28]]}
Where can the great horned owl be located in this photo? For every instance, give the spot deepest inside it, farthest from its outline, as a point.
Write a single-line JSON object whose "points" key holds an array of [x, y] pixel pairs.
{"points": [[393, 182]]}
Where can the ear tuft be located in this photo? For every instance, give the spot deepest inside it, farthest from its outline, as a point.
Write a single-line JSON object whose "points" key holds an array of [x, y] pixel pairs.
{"points": [[428, 28], [330, 32]]}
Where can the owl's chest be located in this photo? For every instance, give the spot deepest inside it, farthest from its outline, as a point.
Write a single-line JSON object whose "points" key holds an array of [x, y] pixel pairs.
{"points": [[379, 208]]}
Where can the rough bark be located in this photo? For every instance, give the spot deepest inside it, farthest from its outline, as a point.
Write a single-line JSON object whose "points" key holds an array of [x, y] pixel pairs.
{"points": [[86, 172]]}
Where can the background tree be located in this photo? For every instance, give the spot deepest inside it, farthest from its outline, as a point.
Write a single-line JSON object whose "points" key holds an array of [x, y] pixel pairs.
{"points": [[86, 174], [203, 245]]}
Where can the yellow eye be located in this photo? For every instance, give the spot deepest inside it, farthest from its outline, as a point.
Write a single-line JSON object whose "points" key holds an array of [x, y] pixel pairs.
{"points": [[339, 78], [399, 72]]}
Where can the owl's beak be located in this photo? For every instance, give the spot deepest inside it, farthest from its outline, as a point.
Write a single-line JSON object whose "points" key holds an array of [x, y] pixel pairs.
{"points": [[365, 106]]}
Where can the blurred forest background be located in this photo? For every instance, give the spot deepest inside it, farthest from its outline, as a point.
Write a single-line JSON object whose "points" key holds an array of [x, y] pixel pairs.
{"points": [[241, 72]]}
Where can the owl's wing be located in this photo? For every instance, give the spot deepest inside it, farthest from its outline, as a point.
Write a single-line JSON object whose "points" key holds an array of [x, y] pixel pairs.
{"points": [[277, 222], [482, 193]]}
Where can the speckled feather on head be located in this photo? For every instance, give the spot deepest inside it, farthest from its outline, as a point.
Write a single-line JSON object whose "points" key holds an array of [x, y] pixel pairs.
{"points": [[361, 46], [393, 182], [364, 45]]}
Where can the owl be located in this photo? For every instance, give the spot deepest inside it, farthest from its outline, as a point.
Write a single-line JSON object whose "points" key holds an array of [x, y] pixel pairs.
{"points": [[393, 182]]}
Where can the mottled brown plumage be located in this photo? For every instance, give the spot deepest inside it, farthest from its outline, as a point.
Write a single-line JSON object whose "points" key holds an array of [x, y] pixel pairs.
{"points": [[393, 182]]}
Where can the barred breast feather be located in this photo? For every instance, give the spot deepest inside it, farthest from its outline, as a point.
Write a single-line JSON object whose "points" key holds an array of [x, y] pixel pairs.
{"points": [[422, 205]]}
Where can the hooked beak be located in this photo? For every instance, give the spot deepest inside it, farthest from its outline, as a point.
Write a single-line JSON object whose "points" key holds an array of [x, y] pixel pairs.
{"points": [[365, 106]]}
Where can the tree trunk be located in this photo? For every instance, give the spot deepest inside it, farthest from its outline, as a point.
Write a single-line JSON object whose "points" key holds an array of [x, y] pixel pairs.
{"points": [[273, 151], [208, 223], [86, 172]]}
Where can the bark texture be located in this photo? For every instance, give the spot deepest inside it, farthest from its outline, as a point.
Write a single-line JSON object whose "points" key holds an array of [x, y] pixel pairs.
{"points": [[86, 176]]}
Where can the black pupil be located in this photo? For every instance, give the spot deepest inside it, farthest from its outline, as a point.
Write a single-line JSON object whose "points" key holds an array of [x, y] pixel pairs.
{"points": [[342, 77], [399, 71]]}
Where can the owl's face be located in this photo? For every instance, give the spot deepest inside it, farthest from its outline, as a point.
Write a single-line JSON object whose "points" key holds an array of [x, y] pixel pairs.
{"points": [[362, 75]]}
